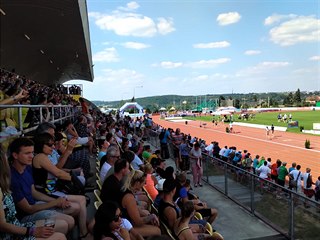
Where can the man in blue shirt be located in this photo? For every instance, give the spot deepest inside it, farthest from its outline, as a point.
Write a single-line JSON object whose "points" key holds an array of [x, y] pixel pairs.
{"points": [[31, 204], [164, 143]]}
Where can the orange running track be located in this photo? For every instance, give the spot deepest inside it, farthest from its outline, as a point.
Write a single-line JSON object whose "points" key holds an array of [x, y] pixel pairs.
{"points": [[288, 147]]}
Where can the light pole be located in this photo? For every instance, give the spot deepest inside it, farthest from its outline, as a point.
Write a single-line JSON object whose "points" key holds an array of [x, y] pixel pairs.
{"points": [[134, 91]]}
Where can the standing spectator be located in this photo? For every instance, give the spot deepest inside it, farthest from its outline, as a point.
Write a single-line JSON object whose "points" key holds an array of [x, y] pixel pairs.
{"points": [[176, 140], [164, 137], [295, 179], [255, 163], [282, 173], [195, 156], [274, 170], [184, 156], [264, 173], [293, 167], [307, 185]]}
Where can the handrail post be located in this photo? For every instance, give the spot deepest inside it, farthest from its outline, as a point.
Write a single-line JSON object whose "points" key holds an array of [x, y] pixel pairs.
{"points": [[41, 117], [226, 179], [60, 114], [52, 113], [20, 119]]}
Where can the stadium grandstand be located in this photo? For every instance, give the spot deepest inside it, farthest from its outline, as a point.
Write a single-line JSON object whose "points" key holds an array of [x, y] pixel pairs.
{"points": [[64, 164]]}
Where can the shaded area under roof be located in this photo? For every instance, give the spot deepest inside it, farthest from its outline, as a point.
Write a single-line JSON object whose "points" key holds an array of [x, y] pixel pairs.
{"points": [[46, 40]]}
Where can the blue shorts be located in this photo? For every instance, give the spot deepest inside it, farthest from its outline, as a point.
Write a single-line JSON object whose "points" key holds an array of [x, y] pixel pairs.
{"points": [[44, 214]]}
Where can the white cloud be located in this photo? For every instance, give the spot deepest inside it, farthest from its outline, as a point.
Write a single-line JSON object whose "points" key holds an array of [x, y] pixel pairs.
{"points": [[133, 5], [135, 45], [107, 55], [208, 63], [299, 30], [168, 64], [123, 77], [130, 24], [165, 26], [228, 18], [169, 80], [125, 22], [314, 58], [222, 44], [275, 18], [201, 78], [263, 67], [252, 52]]}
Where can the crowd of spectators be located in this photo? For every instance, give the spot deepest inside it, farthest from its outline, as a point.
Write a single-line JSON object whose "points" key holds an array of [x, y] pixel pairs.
{"points": [[16, 89], [188, 154]]}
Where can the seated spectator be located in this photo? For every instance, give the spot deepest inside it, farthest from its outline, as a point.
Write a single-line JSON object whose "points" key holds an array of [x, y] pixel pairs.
{"points": [[137, 163], [151, 181], [181, 228], [14, 99], [108, 161], [26, 197], [159, 166], [83, 131], [169, 211], [10, 226], [146, 154], [71, 133], [44, 170], [56, 159], [201, 207], [110, 223], [111, 188], [125, 144], [147, 225], [160, 195]]}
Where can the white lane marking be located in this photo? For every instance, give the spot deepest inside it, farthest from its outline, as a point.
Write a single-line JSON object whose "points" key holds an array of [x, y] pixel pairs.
{"points": [[261, 140]]}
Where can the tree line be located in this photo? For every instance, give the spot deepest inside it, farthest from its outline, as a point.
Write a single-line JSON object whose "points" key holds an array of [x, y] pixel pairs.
{"points": [[239, 100]]}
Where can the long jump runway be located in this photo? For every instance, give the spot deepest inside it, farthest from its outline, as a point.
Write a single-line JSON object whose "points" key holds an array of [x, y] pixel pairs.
{"points": [[288, 147]]}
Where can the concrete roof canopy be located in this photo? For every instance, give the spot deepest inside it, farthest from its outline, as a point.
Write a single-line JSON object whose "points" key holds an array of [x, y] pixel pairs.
{"points": [[47, 41]]}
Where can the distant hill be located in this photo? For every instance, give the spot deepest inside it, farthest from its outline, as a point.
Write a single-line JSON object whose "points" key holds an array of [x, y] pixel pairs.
{"points": [[273, 99]]}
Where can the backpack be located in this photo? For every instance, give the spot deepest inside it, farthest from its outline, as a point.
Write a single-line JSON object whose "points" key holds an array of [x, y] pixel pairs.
{"points": [[309, 182], [161, 135]]}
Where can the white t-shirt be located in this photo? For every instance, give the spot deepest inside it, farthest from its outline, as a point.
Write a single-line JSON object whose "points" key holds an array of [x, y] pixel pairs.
{"points": [[209, 147], [295, 174], [264, 171], [305, 177], [136, 162], [104, 170]]}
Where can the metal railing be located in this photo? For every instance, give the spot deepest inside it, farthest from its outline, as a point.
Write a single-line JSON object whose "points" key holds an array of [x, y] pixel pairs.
{"points": [[282, 209], [58, 113]]}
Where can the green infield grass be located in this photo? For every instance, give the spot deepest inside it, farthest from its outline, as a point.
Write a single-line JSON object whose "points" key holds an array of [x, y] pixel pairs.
{"points": [[305, 119]]}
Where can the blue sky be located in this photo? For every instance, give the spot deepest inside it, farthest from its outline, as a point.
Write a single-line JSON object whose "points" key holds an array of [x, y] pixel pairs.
{"points": [[194, 47]]}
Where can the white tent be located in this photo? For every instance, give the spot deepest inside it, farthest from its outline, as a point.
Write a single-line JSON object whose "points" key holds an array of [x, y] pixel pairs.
{"points": [[163, 109], [138, 112]]}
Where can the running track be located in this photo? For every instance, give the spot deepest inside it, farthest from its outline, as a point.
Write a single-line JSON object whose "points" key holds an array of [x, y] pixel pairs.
{"points": [[288, 147]]}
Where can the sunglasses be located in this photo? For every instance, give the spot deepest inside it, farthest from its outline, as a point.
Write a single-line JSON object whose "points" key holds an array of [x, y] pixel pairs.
{"points": [[49, 144], [117, 217]]}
